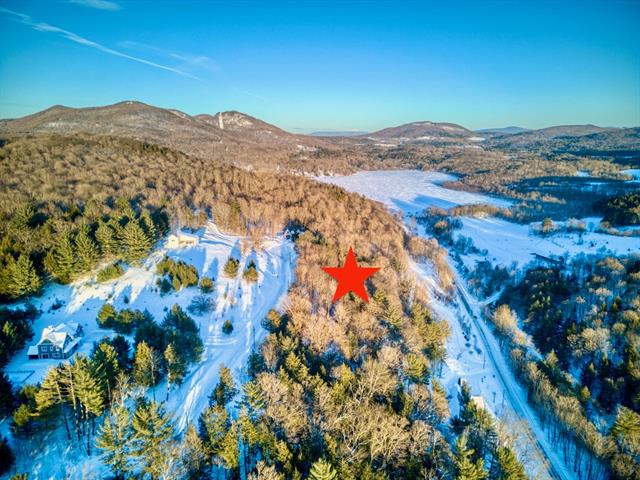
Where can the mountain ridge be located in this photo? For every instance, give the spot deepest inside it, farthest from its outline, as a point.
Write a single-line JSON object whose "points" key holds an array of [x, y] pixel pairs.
{"points": [[239, 138]]}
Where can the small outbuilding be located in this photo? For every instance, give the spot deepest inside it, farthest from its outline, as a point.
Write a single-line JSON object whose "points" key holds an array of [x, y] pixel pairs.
{"points": [[182, 239]]}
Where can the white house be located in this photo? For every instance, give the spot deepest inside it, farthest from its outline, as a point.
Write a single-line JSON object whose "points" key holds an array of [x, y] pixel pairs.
{"points": [[59, 341], [182, 239]]}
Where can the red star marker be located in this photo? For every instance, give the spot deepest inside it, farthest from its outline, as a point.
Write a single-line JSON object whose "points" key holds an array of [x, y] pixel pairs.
{"points": [[351, 277]]}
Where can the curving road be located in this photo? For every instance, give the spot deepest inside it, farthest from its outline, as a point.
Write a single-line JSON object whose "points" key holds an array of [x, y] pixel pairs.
{"points": [[513, 392]]}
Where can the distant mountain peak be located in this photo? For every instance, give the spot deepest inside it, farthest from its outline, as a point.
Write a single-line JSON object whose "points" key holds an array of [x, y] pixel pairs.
{"points": [[423, 131]]}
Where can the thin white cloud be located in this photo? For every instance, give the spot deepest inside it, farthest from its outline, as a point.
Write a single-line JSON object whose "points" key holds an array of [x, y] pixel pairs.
{"points": [[47, 28], [99, 4], [188, 60]]}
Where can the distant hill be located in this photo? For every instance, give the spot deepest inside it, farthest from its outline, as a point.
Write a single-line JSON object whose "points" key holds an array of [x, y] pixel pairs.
{"points": [[577, 139], [531, 137], [423, 131], [241, 139], [231, 136], [489, 132], [338, 133]]}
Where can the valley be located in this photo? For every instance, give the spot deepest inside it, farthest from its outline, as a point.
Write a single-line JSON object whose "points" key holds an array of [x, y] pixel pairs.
{"points": [[474, 352], [251, 240], [114, 227]]}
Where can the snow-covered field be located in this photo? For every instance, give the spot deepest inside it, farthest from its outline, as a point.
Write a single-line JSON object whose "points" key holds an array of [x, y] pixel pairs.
{"points": [[409, 191], [243, 303], [634, 172], [508, 242]]}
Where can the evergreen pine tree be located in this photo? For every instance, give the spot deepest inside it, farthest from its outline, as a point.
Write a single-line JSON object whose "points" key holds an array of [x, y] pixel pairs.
{"points": [[145, 365], [253, 397], [123, 210], [228, 454], [113, 440], [60, 261], [214, 423], [135, 241], [105, 368], [51, 396], [194, 455], [322, 470], [86, 251], [176, 368], [508, 465], [89, 395], [107, 240], [225, 390], [464, 466], [296, 367], [626, 430], [107, 316], [152, 433], [416, 367], [23, 216], [146, 222], [22, 277]]}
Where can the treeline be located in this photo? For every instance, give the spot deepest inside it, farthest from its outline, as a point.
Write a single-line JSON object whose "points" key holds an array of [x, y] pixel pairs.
{"points": [[37, 244], [336, 390], [621, 210], [585, 320]]}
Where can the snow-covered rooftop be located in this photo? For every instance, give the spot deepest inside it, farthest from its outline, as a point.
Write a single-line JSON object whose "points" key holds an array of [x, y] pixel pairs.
{"points": [[57, 334]]}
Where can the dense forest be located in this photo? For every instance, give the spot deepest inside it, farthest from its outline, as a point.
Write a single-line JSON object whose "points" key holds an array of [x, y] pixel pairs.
{"points": [[584, 370], [581, 366], [336, 391], [622, 209]]}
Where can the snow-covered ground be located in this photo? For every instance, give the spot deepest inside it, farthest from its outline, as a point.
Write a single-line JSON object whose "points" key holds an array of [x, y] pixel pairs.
{"points": [[236, 300], [473, 352], [507, 242], [242, 303], [634, 172], [409, 191]]}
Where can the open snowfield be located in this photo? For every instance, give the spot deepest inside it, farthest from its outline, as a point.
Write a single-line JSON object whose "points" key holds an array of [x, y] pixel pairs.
{"points": [[508, 242], [409, 191], [243, 303], [634, 172]]}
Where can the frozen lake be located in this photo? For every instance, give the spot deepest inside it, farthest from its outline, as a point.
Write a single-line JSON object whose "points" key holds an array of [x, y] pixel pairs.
{"points": [[410, 191]]}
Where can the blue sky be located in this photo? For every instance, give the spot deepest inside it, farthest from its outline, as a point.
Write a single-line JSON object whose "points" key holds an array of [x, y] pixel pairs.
{"points": [[318, 65]]}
